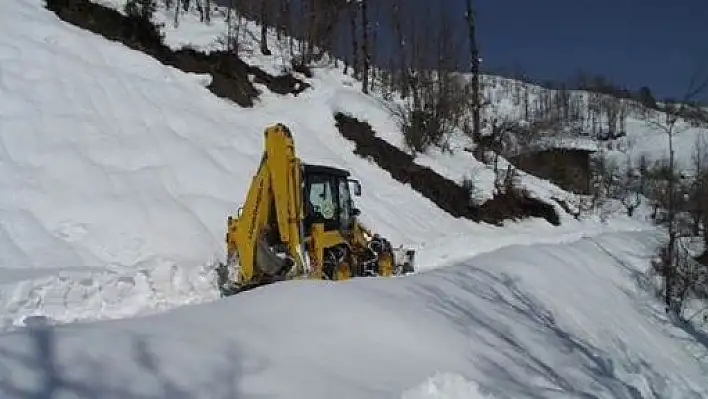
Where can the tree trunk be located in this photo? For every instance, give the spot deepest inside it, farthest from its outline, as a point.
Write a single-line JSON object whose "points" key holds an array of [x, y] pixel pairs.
{"points": [[200, 9], [311, 34], [176, 20], [301, 43], [474, 54], [400, 69], [365, 46], [229, 37], [672, 217], [353, 11], [372, 58], [283, 18], [264, 28]]}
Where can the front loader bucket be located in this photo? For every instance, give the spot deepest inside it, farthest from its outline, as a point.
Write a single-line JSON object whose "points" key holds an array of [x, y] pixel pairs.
{"points": [[405, 260], [270, 268], [268, 263]]}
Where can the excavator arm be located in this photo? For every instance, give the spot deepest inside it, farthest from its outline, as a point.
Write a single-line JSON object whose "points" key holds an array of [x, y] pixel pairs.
{"points": [[272, 214]]}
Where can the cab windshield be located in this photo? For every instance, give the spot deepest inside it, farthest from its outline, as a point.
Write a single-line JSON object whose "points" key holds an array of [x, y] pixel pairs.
{"points": [[328, 201]]}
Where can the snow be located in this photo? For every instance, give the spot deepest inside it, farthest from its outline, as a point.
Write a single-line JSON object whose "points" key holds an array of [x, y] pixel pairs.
{"points": [[548, 321], [654, 143], [191, 32], [645, 137], [446, 386], [646, 133], [119, 174], [572, 143], [341, 93]]}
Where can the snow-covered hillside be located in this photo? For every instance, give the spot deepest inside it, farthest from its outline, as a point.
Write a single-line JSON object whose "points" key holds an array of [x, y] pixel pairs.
{"points": [[124, 171], [646, 133], [118, 176], [507, 100]]}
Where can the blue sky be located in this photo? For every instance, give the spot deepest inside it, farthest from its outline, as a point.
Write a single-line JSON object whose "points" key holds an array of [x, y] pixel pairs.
{"points": [[633, 42]]}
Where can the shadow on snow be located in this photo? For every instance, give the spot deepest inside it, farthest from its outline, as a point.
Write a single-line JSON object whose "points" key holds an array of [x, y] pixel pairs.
{"points": [[50, 373]]}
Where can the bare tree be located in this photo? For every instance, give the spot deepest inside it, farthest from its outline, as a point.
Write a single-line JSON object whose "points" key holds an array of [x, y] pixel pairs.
{"points": [[200, 9], [175, 22], [400, 72], [474, 55], [354, 7], [699, 160], [439, 94], [373, 57], [611, 106], [365, 54], [264, 27], [630, 188], [668, 122], [234, 25], [669, 125], [703, 204], [283, 20], [143, 9]]}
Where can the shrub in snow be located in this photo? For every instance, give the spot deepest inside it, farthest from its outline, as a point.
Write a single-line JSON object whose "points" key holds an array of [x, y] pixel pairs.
{"points": [[685, 277], [142, 9], [435, 111]]}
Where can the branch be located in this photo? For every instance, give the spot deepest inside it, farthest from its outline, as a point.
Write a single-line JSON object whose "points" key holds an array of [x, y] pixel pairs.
{"points": [[695, 85], [705, 309]]}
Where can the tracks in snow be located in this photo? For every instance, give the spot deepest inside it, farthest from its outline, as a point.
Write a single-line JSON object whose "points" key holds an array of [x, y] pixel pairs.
{"points": [[85, 295]]}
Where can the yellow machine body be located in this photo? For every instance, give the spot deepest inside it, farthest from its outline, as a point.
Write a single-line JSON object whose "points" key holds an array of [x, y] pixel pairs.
{"points": [[299, 221]]}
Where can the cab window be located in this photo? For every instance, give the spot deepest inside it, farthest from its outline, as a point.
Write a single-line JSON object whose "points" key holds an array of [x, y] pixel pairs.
{"points": [[322, 198], [344, 203]]}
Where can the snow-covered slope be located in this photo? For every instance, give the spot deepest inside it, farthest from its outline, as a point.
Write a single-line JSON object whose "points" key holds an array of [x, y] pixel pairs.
{"points": [[646, 133], [118, 175], [544, 321], [113, 158], [644, 136], [120, 172]]}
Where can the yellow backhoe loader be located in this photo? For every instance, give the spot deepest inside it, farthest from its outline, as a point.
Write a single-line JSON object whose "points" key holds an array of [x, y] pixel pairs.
{"points": [[299, 221]]}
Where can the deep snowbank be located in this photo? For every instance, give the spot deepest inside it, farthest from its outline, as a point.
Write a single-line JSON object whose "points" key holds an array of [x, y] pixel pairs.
{"points": [[549, 321]]}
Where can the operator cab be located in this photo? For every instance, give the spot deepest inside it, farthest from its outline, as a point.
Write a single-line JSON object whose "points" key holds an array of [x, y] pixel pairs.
{"points": [[328, 198]]}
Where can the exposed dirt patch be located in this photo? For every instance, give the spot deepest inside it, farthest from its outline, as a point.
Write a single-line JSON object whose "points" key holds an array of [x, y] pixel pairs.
{"points": [[230, 74], [568, 168], [445, 193]]}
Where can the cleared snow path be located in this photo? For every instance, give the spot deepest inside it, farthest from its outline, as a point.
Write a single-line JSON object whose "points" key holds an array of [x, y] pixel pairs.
{"points": [[544, 321], [83, 294]]}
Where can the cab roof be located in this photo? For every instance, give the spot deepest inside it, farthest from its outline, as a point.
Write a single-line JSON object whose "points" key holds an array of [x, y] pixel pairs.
{"points": [[322, 169]]}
